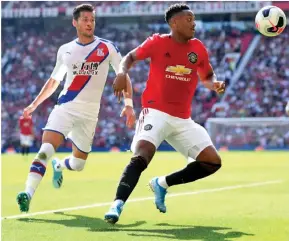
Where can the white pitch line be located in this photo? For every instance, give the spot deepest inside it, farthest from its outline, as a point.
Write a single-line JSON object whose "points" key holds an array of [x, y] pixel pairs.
{"points": [[256, 184]]}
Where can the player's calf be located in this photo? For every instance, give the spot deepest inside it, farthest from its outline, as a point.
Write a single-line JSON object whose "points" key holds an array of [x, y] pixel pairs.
{"points": [[192, 172], [207, 163], [71, 163], [144, 152], [128, 181], [38, 167], [130, 177], [37, 171]]}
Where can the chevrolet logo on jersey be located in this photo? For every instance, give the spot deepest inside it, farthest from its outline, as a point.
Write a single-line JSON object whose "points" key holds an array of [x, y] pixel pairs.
{"points": [[178, 70]]}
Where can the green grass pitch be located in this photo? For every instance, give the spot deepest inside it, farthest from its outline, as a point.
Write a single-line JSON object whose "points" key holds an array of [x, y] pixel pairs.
{"points": [[247, 200]]}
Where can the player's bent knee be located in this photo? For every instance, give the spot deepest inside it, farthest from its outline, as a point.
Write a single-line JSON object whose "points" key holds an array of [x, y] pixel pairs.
{"points": [[210, 167], [145, 149], [218, 159], [45, 152], [141, 157], [77, 164], [215, 159], [79, 154], [52, 137], [209, 155]]}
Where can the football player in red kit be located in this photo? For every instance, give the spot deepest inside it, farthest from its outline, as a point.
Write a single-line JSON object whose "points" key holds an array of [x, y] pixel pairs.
{"points": [[177, 60], [26, 134]]}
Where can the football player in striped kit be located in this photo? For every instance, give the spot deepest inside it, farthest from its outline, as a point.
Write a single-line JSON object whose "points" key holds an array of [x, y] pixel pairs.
{"points": [[85, 61]]}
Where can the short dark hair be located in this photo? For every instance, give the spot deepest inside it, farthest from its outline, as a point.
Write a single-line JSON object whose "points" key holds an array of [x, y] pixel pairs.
{"points": [[175, 8], [82, 8]]}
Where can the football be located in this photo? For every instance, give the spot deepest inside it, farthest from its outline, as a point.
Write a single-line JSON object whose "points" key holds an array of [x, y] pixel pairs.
{"points": [[270, 21]]}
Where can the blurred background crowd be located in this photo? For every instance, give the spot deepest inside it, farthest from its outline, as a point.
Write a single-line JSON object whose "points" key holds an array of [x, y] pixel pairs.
{"points": [[29, 50]]}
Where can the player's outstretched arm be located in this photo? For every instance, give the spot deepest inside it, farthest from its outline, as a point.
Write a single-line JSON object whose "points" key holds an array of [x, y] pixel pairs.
{"points": [[47, 90]]}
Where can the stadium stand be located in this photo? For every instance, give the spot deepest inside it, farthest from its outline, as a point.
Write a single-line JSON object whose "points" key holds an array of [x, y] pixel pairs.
{"points": [[29, 52]]}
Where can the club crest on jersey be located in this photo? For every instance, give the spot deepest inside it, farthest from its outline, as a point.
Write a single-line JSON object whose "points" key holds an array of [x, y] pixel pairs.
{"points": [[193, 57], [148, 127], [100, 52]]}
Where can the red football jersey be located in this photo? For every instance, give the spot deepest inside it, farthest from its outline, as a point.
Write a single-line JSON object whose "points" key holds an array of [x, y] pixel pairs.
{"points": [[173, 72], [26, 126]]}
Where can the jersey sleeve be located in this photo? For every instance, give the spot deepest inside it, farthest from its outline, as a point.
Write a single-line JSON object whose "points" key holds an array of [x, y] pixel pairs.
{"points": [[59, 69], [148, 47], [115, 57], [204, 67]]}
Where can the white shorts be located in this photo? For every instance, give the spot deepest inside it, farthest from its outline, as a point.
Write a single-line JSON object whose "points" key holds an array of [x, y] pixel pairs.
{"points": [[26, 140], [74, 127], [184, 135]]}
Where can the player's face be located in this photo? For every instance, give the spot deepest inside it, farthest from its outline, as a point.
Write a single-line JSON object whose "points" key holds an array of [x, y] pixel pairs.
{"points": [[85, 24], [185, 25]]}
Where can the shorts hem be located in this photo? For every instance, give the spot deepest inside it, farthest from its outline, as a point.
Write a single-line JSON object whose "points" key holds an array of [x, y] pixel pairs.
{"points": [[78, 147], [145, 138], [44, 129], [203, 146]]}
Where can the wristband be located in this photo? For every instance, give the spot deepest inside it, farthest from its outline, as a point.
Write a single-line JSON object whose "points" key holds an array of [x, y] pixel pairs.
{"points": [[128, 102]]}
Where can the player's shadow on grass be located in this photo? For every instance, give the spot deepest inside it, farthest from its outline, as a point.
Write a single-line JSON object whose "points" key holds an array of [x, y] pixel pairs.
{"points": [[186, 232], [163, 230], [83, 222]]}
